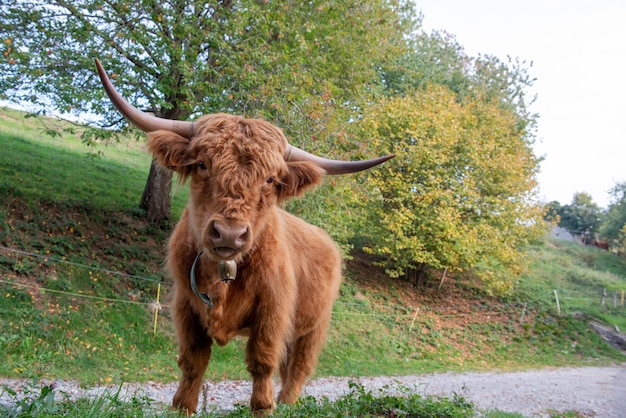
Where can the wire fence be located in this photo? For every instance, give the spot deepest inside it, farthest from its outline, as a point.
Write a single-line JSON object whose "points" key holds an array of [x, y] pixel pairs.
{"points": [[47, 258], [564, 300], [569, 300]]}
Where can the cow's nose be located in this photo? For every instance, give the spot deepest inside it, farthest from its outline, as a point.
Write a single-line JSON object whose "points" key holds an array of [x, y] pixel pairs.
{"points": [[227, 240]]}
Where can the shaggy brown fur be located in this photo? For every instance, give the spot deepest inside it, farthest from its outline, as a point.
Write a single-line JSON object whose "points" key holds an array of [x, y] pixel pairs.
{"points": [[289, 271]]}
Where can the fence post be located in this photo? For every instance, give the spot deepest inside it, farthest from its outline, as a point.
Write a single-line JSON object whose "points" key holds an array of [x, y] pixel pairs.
{"points": [[414, 318], [622, 298], [603, 297], [558, 305], [521, 319], [156, 309], [443, 277]]}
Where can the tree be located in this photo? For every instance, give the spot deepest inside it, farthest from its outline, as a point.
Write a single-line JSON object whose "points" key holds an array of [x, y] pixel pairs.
{"points": [[459, 194], [552, 212], [435, 58], [296, 64], [581, 217], [613, 223], [438, 58]]}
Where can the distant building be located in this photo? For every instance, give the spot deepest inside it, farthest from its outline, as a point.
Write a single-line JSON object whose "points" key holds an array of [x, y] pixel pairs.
{"points": [[562, 233]]}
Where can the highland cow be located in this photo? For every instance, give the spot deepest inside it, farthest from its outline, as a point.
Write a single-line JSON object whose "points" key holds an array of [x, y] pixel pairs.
{"points": [[242, 266]]}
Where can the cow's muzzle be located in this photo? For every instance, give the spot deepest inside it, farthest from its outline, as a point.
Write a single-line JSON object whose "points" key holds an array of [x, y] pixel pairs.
{"points": [[226, 240]]}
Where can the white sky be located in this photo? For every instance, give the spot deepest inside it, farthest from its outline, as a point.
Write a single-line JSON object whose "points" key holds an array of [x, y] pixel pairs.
{"points": [[578, 51]]}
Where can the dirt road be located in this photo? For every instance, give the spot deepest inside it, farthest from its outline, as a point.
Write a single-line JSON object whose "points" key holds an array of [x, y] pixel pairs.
{"points": [[590, 391]]}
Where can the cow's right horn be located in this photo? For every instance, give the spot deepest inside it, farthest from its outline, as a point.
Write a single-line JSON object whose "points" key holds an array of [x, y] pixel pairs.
{"points": [[334, 166], [142, 120]]}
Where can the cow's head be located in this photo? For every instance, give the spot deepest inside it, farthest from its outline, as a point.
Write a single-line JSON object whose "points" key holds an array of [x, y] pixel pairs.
{"points": [[238, 169]]}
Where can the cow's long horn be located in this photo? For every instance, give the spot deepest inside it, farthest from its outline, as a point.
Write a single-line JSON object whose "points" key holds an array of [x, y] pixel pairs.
{"points": [[142, 120], [334, 166]]}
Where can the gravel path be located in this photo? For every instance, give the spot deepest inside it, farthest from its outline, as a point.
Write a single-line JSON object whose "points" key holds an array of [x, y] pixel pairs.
{"points": [[590, 391]]}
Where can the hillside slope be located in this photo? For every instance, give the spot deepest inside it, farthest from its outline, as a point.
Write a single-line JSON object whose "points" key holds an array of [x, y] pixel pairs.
{"points": [[80, 271]]}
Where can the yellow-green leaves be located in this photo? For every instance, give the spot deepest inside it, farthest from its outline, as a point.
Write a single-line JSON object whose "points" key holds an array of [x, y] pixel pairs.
{"points": [[458, 195]]}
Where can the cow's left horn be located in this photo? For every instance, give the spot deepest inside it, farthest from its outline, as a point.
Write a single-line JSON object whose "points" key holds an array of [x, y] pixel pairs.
{"points": [[142, 120], [334, 166]]}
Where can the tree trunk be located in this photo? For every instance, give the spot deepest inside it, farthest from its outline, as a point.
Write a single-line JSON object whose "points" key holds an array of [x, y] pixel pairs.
{"points": [[416, 276], [156, 195]]}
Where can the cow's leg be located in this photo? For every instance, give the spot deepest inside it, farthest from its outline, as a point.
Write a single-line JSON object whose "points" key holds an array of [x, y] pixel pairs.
{"points": [[284, 364], [194, 352], [302, 361], [263, 355]]}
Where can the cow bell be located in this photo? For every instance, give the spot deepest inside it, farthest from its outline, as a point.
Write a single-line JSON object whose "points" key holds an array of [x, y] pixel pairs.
{"points": [[227, 270]]}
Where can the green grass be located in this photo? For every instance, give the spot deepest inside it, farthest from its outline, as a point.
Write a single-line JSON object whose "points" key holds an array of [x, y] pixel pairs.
{"points": [[60, 319], [358, 402], [580, 275], [62, 169]]}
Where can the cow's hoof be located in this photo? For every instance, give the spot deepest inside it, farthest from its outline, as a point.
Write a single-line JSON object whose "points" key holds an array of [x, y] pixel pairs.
{"points": [[263, 410], [182, 410], [287, 398]]}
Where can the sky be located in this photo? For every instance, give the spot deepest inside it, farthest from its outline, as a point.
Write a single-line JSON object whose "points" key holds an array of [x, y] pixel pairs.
{"points": [[578, 54]]}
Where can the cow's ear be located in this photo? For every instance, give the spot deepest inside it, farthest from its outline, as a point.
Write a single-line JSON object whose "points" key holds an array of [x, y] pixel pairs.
{"points": [[301, 176], [171, 150]]}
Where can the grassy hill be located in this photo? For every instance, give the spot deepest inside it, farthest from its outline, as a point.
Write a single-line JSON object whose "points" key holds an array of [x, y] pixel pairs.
{"points": [[80, 270]]}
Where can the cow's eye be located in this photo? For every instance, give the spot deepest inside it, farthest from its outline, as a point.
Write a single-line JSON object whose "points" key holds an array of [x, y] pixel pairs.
{"points": [[270, 180], [201, 165]]}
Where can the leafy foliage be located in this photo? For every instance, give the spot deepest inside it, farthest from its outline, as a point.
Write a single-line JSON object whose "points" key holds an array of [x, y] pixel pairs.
{"points": [[282, 62], [303, 65], [581, 217], [462, 198], [459, 193], [585, 218], [437, 58], [613, 224]]}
